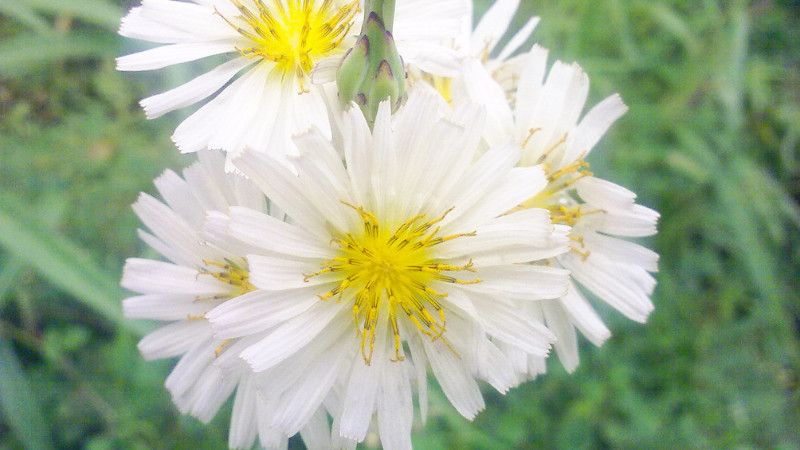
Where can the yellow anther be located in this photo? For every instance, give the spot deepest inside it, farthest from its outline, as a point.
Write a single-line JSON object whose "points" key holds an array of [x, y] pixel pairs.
{"points": [[293, 34], [387, 271], [221, 346], [531, 132]]}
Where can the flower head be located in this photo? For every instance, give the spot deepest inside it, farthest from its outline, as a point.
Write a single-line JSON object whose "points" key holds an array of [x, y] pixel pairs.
{"points": [[539, 111], [206, 268], [275, 45], [390, 267]]}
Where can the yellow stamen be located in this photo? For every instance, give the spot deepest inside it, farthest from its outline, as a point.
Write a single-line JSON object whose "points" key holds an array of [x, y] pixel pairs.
{"points": [[231, 273], [295, 34], [390, 269]]}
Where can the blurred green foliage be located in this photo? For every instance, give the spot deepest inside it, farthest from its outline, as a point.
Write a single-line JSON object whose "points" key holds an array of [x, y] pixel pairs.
{"points": [[711, 141]]}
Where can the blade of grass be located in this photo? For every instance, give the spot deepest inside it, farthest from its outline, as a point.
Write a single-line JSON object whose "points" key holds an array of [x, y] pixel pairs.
{"points": [[65, 265], [10, 272], [25, 15], [17, 402], [98, 12], [25, 52]]}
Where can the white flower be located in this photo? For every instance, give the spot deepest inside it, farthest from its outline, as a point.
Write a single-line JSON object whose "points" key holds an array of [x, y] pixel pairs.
{"points": [[404, 255], [206, 269], [273, 45], [540, 115], [481, 63]]}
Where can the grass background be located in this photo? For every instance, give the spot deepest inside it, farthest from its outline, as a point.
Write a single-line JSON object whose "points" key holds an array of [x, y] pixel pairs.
{"points": [[711, 141]]}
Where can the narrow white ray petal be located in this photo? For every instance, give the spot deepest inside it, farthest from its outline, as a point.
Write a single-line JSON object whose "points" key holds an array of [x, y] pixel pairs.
{"points": [[258, 310], [172, 254], [520, 281], [528, 227], [493, 25], [277, 274], [190, 366], [166, 306], [174, 339], [284, 189], [518, 39], [627, 289], [502, 321], [621, 251], [146, 276], [566, 344], [531, 79], [457, 384], [178, 195], [316, 433], [168, 226], [484, 90], [168, 55], [171, 21], [302, 401], [584, 316], [244, 428], [292, 335], [596, 122], [269, 233], [362, 386], [395, 408], [194, 91]]}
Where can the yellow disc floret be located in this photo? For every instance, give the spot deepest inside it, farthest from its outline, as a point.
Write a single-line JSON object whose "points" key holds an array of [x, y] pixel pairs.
{"points": [[294, 34], [393, 269]]}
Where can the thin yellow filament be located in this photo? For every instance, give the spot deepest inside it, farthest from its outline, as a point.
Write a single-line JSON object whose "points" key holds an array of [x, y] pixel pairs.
{"points": [[393, 271]]}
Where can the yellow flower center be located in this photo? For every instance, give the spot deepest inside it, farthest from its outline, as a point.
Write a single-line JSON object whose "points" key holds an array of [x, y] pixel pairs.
{"points": [[295, 34], [392, 268]]}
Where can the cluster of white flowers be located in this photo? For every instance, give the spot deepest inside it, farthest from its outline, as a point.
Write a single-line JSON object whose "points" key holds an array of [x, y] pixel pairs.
{"points": [[321, 262]]}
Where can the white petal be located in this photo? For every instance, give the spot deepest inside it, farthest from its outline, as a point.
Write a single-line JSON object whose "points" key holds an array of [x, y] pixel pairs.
{"points": [[316, 433], [277, 274], [395, 407], [503, 322], [174, 339], [269, 233], [493, 25], [584, 316], [566, 343], [155, 277], [166, 306], [295, 333], [258, 311], [362, 386], [170, 227], [596, 122], [518, 39], [193, 91], [626, 288], [244, 428], [520, 281], [300, 403], [167, 55], [457, 384]]}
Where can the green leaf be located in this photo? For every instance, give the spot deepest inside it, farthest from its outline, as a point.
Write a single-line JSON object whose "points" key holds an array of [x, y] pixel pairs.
{"points": [[26, 52], [98, 12], [25, 15], [17, 402], [65, 265]]}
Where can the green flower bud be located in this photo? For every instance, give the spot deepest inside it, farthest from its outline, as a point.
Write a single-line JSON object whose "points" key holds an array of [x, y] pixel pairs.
{"points": [[373, 70]]}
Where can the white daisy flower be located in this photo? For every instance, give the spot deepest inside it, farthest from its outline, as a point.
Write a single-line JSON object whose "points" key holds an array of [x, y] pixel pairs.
{"points": [[541, 115], [273, 45], [404, 255], [206, 269]]}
